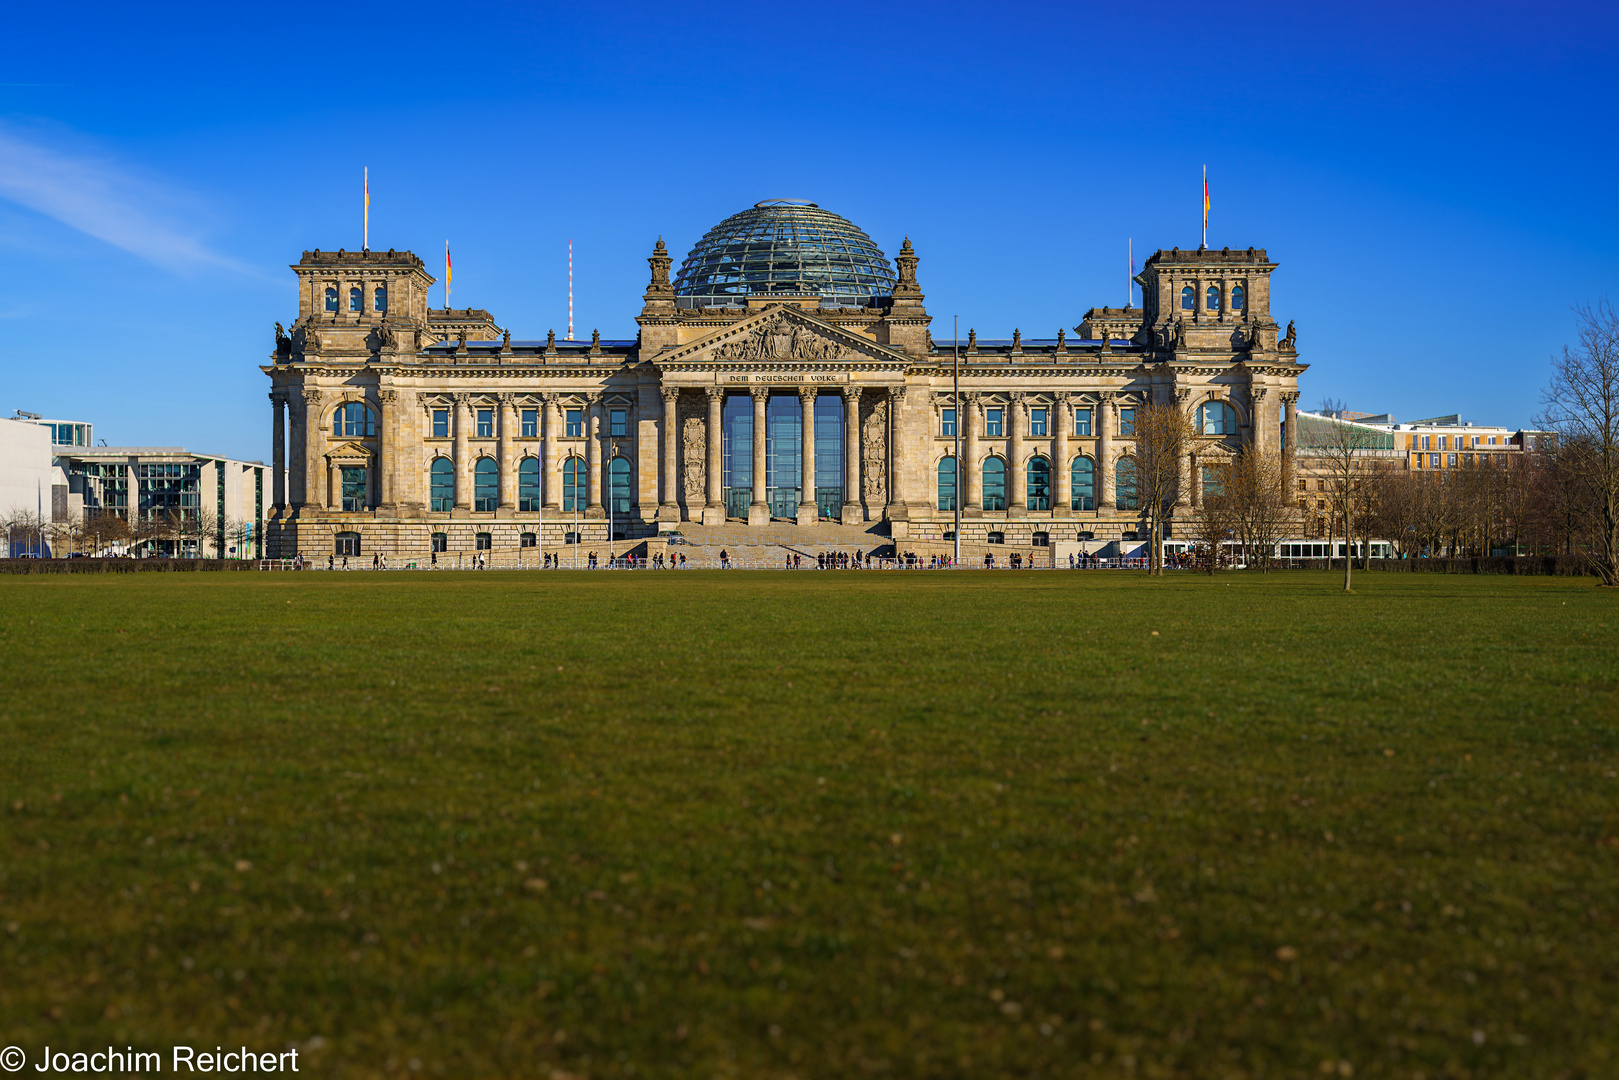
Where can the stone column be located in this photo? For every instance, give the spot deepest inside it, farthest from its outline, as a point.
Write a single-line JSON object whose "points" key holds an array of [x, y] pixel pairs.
{"points": [[808, 511], [334, 486], [551, 451], [463, 467], [852, 514], [1194, 481], [508, 465], [1182, 397], [899, 482], [1290, 401], [669, 509], [1018, 504], [969, 473], [313, 443], [387, 420], [1062, 419], [714, 512], [593, 459], [278, 450], [758, 509], [1106, 497]]}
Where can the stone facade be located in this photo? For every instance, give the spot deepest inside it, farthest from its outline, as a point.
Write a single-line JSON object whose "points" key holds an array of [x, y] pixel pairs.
{"points": [[779, 409]]}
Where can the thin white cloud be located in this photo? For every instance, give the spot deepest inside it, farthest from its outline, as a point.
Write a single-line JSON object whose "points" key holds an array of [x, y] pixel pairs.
{"points": [[99, 197]]}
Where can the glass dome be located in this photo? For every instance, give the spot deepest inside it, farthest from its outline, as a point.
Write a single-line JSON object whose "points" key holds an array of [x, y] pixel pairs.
{"points": [[784, 246]]}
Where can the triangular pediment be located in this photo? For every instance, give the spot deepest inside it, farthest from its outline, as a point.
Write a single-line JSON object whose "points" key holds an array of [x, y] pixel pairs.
{"points": [[779, 334], [349, 451]]}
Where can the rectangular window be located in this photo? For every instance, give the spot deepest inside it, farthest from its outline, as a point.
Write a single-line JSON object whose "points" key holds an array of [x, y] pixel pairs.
{"points": [[1450, 460], [576, 423], [1304, 485], [947, 423], [1427, 442], [531, 423], [1433, 461], [992, 423], [619, 425], [1444, 442], [1082, 421], [486, 423], [1037, 422], [441, 423], [1127, 421]]}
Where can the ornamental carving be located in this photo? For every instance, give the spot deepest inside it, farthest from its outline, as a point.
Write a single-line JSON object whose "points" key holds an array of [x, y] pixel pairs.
{"points": [[779, 338], [691, 415], [874, 451]]}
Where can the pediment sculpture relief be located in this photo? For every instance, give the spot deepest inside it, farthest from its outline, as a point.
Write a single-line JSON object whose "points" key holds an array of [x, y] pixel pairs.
{"points": [[779, 339]]}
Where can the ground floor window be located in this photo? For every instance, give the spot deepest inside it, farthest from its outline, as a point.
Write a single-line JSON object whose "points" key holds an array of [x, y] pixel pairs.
{"points": [[485, 484], [570, 538], [995, 538], [442, 486], [1042, 539], [348, 543], [994, 484], [1083, 495], [528, 484], [354, 487], [482, 542], [526, 540], [441, 542], [1039, 494], [1125, 484]]}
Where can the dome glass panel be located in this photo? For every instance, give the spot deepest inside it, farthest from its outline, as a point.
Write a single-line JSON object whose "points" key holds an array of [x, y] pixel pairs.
{"points": [[784, 246]]}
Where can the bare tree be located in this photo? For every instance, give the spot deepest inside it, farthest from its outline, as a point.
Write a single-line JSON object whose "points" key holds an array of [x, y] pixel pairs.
{"points": [[1341, 450], [1260, 508], [1582, 407], [1163, 441]]}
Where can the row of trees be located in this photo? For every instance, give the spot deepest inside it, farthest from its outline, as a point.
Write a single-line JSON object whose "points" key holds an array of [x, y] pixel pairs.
{"points": [[103, 533], [1558, 497]]}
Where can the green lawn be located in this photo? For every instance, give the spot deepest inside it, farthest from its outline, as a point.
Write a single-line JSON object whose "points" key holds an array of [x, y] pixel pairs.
{"points": [[816, 824]]}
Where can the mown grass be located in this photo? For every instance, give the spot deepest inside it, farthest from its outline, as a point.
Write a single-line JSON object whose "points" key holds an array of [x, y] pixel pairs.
{"points": [[816, 824]]}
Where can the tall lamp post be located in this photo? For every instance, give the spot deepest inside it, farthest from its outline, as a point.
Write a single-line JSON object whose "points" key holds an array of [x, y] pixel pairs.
{"points": [[955, 345]]}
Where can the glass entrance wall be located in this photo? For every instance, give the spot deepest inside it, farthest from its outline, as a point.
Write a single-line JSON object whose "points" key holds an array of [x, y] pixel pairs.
{"points": [[784, 444], [736, 427], [829, 455]]}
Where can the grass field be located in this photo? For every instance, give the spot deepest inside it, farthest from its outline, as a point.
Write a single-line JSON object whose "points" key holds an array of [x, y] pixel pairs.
{"points": [[816, 824]]}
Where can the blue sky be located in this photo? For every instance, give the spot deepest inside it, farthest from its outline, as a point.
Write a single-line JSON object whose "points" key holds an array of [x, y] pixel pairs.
{"points": [[1436, 180]]}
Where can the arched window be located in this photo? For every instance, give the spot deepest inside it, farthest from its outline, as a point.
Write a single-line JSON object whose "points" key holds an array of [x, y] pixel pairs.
{"points": [[947, 483], [355, 299], [1238, 297], [1216, 418], [1039, 484], [1124, 486], [618, 477], [1188, 299], [573, 484], [485, 484], [994, 484], [379, 299], [442, 485], [1084, 484], [1211, 301], [352, 420], [528, 484], [331, 299]]}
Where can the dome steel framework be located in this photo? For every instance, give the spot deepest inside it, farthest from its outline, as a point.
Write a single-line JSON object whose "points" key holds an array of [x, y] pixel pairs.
{"points": [[784, 246]]}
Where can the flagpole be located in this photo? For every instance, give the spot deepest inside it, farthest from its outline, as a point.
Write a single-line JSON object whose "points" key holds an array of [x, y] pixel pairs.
{"points": [[446, 275], [1129, 277], [1205, 206], [366, 242], [955, 349]]}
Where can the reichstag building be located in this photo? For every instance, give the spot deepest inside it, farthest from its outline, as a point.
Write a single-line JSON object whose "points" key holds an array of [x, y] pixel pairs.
{"points": [[785, 373]]}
